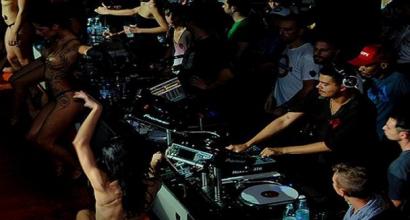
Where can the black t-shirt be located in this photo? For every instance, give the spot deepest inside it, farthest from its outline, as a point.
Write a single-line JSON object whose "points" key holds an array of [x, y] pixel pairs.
{"points": [[205, 59], [350, 133]]}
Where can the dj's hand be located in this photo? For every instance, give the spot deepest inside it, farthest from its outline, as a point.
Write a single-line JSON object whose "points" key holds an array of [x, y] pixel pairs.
{"points": [[271, 151], [237, 148]]}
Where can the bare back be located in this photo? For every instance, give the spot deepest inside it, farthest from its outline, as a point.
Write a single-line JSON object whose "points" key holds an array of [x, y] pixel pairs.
{"points": [[108, 203]]}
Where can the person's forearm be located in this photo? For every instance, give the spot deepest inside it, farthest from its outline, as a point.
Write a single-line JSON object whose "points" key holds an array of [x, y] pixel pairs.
{"points": [[121, 12], [87, 128], [274, 127], [155, 30], [306, 149]]}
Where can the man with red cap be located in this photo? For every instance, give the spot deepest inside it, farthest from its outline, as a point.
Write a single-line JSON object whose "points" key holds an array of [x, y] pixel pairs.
{"points": [[383, 84]]}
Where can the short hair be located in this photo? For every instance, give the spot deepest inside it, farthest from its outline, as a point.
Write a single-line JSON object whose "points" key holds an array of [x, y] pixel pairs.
{"points": [[297, 19], [328, 38], [354, 179], [338, 72], [243, 6], [401, 113]]}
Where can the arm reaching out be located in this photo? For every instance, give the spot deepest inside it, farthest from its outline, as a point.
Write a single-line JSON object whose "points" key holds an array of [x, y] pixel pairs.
{"points": [[274, 127], [82, 142], [104, 10]]}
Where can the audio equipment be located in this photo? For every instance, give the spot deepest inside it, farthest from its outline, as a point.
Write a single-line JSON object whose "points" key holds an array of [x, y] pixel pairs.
{"points": [[188, 155], [263, 194], [251, 177], [349, 80], [171, 90]]}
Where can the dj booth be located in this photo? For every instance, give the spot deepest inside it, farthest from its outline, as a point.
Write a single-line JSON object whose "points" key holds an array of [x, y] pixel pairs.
{"points": [[236, 187], [201, 179]]}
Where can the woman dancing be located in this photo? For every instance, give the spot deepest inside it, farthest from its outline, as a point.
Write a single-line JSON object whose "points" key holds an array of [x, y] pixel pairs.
{"points": [[118, 175], [59, 114]]}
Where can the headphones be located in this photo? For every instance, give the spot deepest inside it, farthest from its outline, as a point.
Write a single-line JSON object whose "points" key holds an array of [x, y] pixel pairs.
{"points": [[349, 81]]}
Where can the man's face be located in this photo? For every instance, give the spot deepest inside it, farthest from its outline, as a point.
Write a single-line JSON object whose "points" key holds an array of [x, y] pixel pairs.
{"points": [[369, 70], [273, 4], [327, 87], [391, 131], [323, 53], [288, 31]]}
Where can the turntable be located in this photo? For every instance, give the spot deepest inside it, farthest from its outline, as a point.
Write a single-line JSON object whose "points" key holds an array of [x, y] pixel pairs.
{"points": [[267, 194]]}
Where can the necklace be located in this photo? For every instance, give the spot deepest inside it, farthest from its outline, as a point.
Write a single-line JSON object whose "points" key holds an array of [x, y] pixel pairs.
{"points": [[334, 107]]}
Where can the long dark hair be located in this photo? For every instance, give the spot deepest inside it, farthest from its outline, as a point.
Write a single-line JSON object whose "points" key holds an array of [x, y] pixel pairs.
{"points": [[179, 14], [54, 15], [122, 159]]}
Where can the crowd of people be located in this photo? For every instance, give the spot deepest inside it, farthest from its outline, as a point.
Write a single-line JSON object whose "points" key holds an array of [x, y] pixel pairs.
{"points": [[318, 95]]}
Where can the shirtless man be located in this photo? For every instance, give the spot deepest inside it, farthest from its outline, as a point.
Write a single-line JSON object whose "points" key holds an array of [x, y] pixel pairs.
{"points": [[18, 35]]}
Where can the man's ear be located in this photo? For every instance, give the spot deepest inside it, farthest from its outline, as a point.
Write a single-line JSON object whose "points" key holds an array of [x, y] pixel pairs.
{"points": [[340, 191], [384, 65], [343, 192], [404, 135]]}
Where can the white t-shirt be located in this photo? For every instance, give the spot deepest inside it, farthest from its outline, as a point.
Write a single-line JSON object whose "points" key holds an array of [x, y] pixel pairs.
{"points": [[295, 66], [402, 44]]}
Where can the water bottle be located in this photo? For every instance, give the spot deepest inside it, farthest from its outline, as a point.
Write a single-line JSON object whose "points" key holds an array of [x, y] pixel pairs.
{"points": [[128, 32], [302, 213], [289, 213], [89, 26], [98, 29], [91, 30], [161, 39]]}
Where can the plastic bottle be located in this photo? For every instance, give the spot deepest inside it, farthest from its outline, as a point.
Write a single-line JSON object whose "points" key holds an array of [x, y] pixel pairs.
{"points": [[289, 213], [302, 213], [89, 26], [128, 30], [98, 29]]}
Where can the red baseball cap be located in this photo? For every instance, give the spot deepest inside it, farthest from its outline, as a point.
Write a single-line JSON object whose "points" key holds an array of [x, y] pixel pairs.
{"points": [[369, 55]]}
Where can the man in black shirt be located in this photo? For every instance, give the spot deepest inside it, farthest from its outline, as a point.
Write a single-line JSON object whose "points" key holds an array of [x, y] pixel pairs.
{"points": [[342, 121], [339, 125]]}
